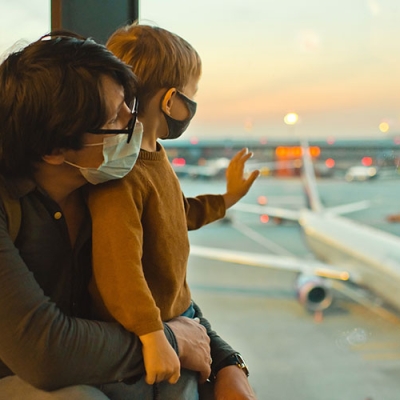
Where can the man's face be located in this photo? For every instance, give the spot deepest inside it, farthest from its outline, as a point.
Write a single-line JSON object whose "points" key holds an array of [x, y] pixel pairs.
{"points": [[118, 117]]}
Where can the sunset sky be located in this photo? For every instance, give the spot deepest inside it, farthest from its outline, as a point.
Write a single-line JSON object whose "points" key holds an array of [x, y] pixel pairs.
{"points": [[335, 63]]}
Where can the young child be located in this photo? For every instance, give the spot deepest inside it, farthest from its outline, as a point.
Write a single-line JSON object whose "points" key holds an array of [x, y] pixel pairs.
{"points": [[140, 222]]}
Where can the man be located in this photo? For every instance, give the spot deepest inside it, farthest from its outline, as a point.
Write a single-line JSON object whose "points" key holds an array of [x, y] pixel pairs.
{"points": [[56, 94]]}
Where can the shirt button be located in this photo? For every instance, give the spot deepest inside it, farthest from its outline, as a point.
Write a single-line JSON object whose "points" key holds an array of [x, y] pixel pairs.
{"points": [[57, 215]]}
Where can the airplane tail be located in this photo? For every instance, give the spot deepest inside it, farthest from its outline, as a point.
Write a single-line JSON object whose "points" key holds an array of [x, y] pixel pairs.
{"points": [[311, 191], [309, 179]]}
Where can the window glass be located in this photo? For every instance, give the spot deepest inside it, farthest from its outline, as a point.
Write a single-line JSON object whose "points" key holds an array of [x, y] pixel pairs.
{"points": [[22, 22], [275, 72], [333, 63], [335, 66]]}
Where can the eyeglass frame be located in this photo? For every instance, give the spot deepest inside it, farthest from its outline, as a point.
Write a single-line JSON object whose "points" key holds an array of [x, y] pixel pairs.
{"points": [[130, 127]]}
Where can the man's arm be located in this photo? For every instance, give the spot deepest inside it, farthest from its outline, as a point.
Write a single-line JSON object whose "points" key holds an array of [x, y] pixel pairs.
{"points": [[220, 350], [49, 349], [230, 382], [193, 345]]}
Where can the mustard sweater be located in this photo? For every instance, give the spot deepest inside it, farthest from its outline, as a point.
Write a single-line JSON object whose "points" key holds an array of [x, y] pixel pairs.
{"points": [[141, 245]]}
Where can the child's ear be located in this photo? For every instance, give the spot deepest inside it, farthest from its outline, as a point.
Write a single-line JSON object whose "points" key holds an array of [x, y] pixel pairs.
{"points": [[55, 158], [168, 100]]}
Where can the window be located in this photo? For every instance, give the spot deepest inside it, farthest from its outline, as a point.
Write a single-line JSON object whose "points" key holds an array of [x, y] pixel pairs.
{"points": [[335, 65], [23, 22]]}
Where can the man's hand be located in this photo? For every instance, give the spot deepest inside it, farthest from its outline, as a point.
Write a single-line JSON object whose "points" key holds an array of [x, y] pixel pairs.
{"points": [[193, 345], [232, 384], [160, 360], [237, 185]]}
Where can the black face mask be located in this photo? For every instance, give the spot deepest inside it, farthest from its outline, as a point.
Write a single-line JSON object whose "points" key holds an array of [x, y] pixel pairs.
{"points": [[177, 127]]}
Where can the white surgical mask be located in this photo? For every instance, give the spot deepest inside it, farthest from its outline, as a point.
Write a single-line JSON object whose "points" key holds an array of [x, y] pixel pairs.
{"points": [[119, 157]]}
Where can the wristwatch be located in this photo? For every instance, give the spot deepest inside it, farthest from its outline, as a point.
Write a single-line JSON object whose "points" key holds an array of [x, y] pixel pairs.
{"points": [[234, 359]]}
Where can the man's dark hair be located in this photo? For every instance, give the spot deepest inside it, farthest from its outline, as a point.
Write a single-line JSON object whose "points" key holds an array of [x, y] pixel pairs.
{"points": [[51, 94]]}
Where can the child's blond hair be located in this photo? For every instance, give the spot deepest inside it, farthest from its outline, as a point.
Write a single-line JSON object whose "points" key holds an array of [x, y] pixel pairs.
{"points": [[160, 58]]}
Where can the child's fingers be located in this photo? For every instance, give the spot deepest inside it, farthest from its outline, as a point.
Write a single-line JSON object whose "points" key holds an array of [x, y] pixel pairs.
{"points": [[150, 378], [175, 377], [240, 154], [253, 176]]}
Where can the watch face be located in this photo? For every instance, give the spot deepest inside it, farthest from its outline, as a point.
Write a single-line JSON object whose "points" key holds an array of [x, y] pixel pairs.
{"points": [[241, 363]]}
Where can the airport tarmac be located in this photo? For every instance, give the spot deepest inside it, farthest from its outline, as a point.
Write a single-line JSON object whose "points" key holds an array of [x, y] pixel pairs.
{"points": [[352, 354]]}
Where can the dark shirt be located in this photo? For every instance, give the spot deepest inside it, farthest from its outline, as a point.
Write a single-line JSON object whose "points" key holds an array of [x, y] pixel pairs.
{"points": [[46, 335]]}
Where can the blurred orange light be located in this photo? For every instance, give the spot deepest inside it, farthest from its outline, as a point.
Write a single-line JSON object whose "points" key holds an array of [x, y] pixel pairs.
{"points": [[330, 162], [295, 151], [264, 218], [262, 200], [366, 161], [315, 151], [281, 151]]}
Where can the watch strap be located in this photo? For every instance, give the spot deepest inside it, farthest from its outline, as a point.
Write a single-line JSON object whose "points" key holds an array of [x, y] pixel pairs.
{"points": [[233, 359]]}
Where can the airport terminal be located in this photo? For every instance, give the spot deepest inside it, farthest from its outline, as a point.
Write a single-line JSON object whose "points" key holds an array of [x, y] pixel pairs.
{"points": [[301, 275]]}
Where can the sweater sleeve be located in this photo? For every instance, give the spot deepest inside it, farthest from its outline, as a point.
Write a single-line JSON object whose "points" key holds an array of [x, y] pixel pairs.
{"points": [[116, 208], [203, 209], [45, 347]]}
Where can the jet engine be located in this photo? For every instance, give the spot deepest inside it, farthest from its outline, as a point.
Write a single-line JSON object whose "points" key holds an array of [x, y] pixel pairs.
{"points": [[314, 292]]}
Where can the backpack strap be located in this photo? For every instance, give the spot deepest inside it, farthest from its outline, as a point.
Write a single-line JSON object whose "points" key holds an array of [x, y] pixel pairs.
{"points": [[12, 207]]}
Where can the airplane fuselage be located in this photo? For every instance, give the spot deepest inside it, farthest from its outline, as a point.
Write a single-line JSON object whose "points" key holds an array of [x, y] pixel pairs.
{"points": [[370, 255]]}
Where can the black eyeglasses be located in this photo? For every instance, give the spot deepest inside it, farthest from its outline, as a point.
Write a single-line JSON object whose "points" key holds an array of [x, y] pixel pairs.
{"points": [[133, 106]]}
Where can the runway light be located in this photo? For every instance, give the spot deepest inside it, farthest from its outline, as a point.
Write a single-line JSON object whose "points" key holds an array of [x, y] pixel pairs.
{"points": [[291, 152], [315, 151], [179, 162], [330, 162], [281, 151], [264, 218], [366, 161], [262, 200]]}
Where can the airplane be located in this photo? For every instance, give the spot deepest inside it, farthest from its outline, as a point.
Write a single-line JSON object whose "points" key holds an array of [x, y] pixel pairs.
{"points": [[350, 254], [214, 168], [208, 169]]}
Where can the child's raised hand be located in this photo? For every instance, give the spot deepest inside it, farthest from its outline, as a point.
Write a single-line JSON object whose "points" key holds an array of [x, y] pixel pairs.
{"points": [[237, 185], [160, 359]]}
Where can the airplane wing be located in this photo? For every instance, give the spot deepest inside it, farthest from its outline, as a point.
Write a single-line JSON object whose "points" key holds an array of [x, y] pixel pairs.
{"points": [[292, 264], [294, 215], [349, 208], [284, 213]]}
